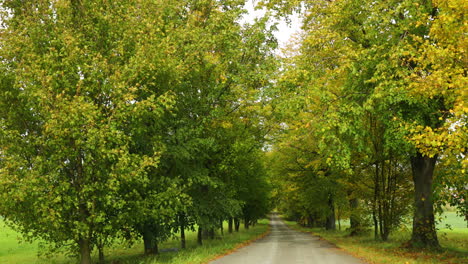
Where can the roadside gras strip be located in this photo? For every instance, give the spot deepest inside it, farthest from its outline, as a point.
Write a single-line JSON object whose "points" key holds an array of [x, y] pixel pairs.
{"points": [[241, 245], [369, 250], [13, 252]]}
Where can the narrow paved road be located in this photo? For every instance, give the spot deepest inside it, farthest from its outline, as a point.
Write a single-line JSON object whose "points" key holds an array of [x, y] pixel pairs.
{"points": [[286, 246]]}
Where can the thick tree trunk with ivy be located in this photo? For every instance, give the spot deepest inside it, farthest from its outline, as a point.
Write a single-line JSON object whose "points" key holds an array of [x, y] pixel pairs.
{"points": [[424, 232]]}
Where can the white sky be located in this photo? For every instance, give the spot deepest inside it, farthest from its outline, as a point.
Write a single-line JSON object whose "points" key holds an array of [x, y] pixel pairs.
{"points": [[284, 32]]}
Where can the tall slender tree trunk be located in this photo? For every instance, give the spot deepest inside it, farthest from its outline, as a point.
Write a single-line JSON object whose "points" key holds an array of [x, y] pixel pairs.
{"points": [[376, 224], [182, 230], [200, 236], [85, 250], [236, 224], [424, 232], [380, 217], [182, 236], [330, 221], [230, 220], [221, 228], [375, 201], [354, 219], [83, 242], [381, 198], [339, 223], [246, 223], [100, 247]]}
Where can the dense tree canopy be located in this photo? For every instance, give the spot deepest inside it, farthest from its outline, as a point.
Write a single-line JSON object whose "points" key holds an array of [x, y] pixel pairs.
{"points": [[379, 87], [129, 119]]}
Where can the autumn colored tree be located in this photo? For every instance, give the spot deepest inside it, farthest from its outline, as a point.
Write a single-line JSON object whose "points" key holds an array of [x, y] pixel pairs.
{"points": [[392, 60]]}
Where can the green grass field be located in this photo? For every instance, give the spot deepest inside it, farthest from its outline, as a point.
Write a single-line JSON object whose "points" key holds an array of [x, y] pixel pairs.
{"points": [[12, 251], [454, 242]]}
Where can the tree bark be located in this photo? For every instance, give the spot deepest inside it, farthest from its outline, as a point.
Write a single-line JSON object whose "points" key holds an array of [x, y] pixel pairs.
{"points": [[424, 232], [236, 224], [211, 233], [330, 221], [149, 242], [182, 236], [354, 219], [376, 225], [85, 251], [375, 201], [182, 230], [246, 223], [101, 256], [200, 236], [221, 228], [100, 246], [230, 220]]}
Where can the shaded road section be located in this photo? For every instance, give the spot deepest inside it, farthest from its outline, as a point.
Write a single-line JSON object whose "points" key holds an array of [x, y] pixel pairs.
{"points": [[286, 246]]}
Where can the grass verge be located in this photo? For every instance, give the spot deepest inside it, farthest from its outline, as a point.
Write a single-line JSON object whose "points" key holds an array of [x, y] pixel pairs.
{"points": [[14, 252], [454, 243]]}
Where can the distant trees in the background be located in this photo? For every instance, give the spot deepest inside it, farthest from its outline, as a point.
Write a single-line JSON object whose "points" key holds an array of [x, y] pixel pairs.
{"points": [[130, 120], [372, 96]]}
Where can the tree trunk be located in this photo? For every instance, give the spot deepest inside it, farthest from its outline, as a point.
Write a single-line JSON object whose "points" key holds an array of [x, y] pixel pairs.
{"points": [[354, 219], [101, 256], [375, 201], [330, 221], [182, 230], [382, 199], [424, 232], [149, 242], [376, 225], [200, 236], [100, 246], [380, 217], [211, 233], [236, 224], [84, 242], [221, 228], [339, 224], [85, 251], [230, 220], [182, 236], [246, 223]]}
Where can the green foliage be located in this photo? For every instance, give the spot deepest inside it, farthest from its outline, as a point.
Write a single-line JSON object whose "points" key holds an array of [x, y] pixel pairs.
{"points": [[378, 84], [118, 117], [67, 143]]}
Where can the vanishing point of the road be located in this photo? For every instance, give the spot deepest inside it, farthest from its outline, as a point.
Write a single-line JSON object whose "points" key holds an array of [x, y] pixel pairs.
{"points": [[286, 246]]}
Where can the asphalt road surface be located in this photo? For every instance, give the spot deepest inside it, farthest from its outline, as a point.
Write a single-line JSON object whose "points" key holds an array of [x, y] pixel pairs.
{"points": [[286, 246]]}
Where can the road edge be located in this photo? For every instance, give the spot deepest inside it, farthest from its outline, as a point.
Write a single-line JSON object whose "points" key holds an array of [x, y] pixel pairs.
{"points": [[361, 258], [241, 245]]}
